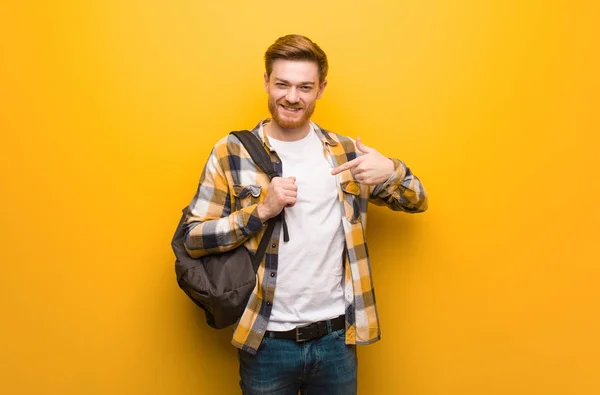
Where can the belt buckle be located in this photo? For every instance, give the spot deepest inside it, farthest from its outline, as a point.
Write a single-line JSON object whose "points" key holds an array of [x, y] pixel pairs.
{"points": [[298, 336]]}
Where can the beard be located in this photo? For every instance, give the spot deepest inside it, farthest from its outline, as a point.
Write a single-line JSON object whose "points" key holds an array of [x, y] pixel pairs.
{"points": [[286, 122]]}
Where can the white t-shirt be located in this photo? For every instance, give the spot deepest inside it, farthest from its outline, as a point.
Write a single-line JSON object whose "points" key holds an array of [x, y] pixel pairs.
{"points": [[309, 274]]}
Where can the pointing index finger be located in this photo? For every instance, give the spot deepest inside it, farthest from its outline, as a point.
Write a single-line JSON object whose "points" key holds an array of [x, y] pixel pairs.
{"points": [[345, 166]]}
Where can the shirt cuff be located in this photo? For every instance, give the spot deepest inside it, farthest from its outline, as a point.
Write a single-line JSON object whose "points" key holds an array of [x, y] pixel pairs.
{"points": [[392, 183], [250, 223]]}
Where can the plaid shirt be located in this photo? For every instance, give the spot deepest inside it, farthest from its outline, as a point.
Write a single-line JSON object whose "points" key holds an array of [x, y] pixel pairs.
{"points": [[223, 215]]}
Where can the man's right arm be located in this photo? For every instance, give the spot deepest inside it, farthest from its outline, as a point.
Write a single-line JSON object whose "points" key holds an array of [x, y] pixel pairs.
{"points": [[210, 226]]}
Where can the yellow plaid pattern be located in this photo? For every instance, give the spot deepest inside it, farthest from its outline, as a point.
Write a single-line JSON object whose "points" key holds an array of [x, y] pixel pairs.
{"points": [[223, 216]]}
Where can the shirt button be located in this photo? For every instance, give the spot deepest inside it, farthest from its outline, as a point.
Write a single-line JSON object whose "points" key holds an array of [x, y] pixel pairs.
{"points": [[273, 245], [272, 274], [268, 303]]}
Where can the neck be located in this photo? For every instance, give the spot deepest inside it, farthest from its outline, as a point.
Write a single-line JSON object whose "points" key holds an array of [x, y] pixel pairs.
{"points": [[286, 134]]}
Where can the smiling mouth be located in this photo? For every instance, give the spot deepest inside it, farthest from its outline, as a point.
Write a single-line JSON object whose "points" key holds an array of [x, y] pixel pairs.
{"points": [[291, 109]]}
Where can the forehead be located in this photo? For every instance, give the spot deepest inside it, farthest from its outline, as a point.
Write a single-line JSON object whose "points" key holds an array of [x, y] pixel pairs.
{"points": [[295, 70]]}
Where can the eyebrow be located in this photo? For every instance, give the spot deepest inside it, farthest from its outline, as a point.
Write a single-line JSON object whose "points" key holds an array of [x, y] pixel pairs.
{"points": [[287, 82]]}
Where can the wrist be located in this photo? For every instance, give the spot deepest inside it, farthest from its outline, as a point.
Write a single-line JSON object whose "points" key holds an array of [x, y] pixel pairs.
{"points": [[262, 212], [392, 167]]}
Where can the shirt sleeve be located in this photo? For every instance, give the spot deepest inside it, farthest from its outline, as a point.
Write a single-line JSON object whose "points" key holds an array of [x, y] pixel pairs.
{"points": [[403, 191], [211, 227]]}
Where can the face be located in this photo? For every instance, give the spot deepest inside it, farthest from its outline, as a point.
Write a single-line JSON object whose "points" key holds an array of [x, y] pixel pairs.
{"points": [[293, 89]]}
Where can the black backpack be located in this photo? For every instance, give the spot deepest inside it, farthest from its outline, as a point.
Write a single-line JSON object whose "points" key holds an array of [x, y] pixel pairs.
{"points": [[221, 284]]}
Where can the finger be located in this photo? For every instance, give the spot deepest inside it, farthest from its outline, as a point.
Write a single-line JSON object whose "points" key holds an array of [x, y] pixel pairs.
{"points": [[357, 170], [290, 202], [289, 180], [289, 187], [285, 182], [283, 194], [363, 148], [364, 179], [346, 166]]}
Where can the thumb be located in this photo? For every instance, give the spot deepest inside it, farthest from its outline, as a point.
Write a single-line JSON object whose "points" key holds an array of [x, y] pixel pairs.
{"points": [[363, 148]]}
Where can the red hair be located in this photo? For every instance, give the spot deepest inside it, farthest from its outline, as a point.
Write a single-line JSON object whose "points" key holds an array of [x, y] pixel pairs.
{"points": [[296, 47]]}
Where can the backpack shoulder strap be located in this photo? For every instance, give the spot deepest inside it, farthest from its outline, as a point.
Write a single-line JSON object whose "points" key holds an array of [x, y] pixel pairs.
{"points": [[262, 160], [256, 151]]}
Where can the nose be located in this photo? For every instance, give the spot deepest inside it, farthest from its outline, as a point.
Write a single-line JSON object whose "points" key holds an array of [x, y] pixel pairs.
{"points": [[292, 95]]}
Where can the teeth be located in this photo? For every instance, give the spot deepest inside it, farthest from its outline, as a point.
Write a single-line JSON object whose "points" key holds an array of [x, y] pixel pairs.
{"points": [[291, 108]]}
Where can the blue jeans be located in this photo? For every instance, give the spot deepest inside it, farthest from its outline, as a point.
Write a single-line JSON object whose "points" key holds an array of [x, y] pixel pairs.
{"points": [[323, 366]]}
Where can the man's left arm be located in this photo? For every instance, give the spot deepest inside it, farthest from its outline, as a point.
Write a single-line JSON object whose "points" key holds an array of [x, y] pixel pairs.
{"points": [[391, 183]]}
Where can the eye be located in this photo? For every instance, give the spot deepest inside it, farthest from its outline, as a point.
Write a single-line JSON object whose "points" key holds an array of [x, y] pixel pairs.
{"points": [[280, 85], [306, 88]]}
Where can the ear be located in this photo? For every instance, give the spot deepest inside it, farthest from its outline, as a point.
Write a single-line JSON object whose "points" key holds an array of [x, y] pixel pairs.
{"points": [[321, 89], [266, 82]]}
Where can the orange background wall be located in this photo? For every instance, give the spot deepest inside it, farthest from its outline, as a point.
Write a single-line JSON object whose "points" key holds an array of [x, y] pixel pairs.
{"points": [[109, 109]]}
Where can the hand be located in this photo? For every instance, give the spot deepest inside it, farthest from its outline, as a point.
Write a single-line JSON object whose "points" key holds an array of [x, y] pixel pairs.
{"points": [[282, 193], [372, 168]]}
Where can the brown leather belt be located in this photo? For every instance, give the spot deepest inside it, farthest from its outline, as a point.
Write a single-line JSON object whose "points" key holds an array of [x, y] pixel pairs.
{"points": [[310, 331]]}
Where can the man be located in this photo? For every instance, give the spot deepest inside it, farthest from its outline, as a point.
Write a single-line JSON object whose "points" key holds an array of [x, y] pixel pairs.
{"points": [[314, 299]]}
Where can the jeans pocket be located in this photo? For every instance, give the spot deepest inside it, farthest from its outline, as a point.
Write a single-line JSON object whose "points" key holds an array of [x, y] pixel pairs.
{"points": [[246, 357], [339, 334]]}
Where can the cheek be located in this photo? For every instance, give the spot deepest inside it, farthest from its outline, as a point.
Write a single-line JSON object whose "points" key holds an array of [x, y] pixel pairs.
{"points": [[309, 99], [277, 94], [273, 99]]}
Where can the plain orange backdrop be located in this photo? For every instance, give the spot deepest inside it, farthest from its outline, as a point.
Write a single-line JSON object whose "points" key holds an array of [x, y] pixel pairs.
{"points": [[109, 109]]}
